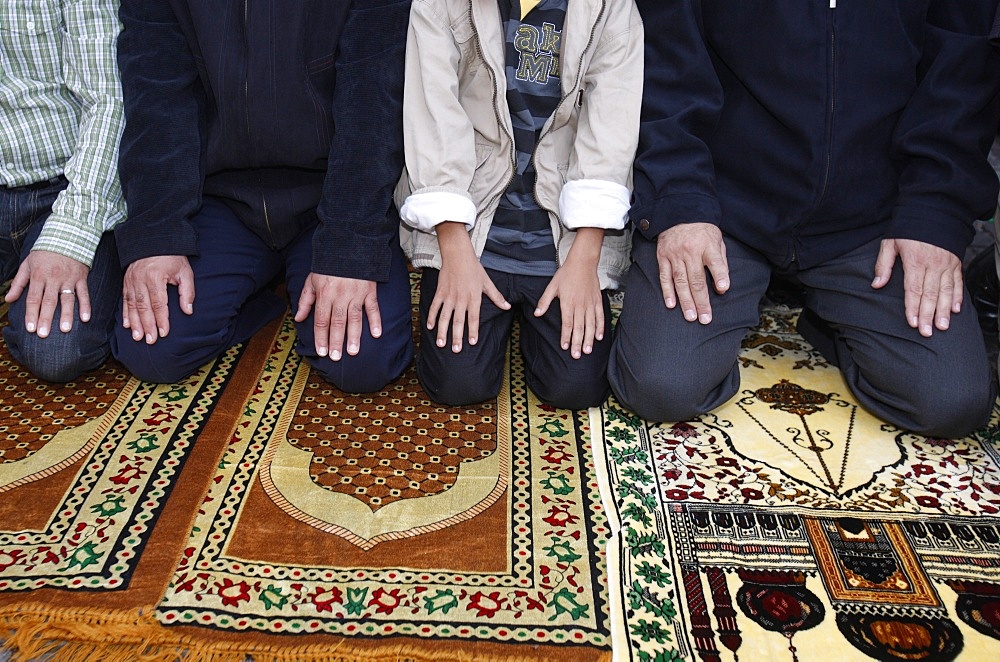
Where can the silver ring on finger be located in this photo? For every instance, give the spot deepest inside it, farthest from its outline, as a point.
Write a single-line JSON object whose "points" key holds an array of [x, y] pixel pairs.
{"points": [[67, 291]]}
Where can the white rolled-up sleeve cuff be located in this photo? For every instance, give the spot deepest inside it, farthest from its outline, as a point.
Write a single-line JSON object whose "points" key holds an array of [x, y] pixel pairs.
{"points": [[423, 211], [594, 203]]}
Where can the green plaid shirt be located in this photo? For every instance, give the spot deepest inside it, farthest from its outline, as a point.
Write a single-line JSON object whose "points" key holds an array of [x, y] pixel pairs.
{"points": [[61, 114]]}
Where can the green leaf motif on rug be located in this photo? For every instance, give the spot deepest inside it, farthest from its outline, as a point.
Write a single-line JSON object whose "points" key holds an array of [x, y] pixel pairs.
{"points": [[145, 443], [562, 551], [84, 556], [628, 455], [443, 601], [650, 632], [272, 597], [356, 600], [641, 597], [554, 428], [661, 656], [565, 602], [558, 483], [112, 505]]}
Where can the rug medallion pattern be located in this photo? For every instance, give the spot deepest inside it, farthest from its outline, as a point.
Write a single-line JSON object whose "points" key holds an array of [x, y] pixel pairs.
{"points": [[387, 515], [791, 525]]}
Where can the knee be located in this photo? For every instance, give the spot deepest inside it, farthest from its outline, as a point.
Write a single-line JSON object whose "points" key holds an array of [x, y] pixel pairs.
{"points": [[58, 358], [572, 392], [159, 363], [951, 413], [457, 388], [367, 372], [661, 395]]}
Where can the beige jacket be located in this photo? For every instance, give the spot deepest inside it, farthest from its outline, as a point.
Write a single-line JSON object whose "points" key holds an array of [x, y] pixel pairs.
{"points": [[458, 136]]}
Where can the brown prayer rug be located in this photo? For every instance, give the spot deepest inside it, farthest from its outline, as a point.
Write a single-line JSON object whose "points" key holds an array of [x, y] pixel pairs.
{"points": [[256, 510]]}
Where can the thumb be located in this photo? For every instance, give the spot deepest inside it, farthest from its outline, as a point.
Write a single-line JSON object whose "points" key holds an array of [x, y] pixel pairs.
{"points": [[883, 265]]}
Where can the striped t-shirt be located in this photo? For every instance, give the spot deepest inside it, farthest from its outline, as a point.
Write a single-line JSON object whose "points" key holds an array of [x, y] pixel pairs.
{"points": [[520, 238]]}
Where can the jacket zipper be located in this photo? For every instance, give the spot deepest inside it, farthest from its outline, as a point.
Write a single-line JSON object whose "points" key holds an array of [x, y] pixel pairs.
{"points": [[246, 107], [496, 112], [831, 108], [576, 84]]}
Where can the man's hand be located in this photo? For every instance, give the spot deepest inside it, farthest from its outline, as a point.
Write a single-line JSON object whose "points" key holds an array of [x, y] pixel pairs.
{"points": [[144, 294], [461, 284], [683, 252], [340, 304], [50, 279], [932, 282]]}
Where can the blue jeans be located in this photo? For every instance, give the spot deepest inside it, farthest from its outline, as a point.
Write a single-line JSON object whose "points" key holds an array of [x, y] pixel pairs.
{"points": [[61, 357], [233, 300]]}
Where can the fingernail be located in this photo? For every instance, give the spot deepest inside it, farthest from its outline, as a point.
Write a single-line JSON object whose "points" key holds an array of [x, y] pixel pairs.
{"points": [[565, 345], [30, 326], [723, 284], [472, 341], [150, 339], [913, 322], [321, 351], [671, 303], [588, 349], [943, 323], [576, 353], [137, 335], [690, 315], [84, 317], [65, 327], [43, 331], [456, 348], [538, 311], [705, 318], [376, 332], [189, 308], [162, 332], [352, 349], [440, 342], [926, 330], [335, 355]]}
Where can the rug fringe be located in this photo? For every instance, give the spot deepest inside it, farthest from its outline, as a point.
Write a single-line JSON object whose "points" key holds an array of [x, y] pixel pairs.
{"points": [[84, 635]]}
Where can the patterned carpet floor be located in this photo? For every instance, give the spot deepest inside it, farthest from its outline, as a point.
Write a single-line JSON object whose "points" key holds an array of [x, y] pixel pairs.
{"points": [[255, 510]]}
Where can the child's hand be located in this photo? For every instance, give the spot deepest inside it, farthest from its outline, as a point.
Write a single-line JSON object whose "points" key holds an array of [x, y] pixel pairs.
{"points": [[579, 292], [460, 288]]}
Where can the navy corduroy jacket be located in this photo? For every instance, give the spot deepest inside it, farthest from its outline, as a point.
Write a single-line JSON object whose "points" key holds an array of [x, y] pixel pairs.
{"points": [[806, 128], [290, 112]]}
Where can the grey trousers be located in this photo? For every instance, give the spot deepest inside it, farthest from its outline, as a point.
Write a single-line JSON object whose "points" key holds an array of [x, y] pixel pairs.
{"points": [[667, 369]]}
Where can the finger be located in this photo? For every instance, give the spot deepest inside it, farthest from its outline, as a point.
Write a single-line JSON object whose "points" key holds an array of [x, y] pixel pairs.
{"points": [[685, 296], [125, 320], [884, 263], [67, 306], [579, 331], [457, 328], [718, 266], [698, 282], [306, 300], [565, 327], [83, 300], [472, 315], [667, 282], [959, 297], [159, 310], [32, 307], [493, 294], [928, 303], [548, 296], [599, 321], [912, 291], [589, 329], [144, 308], [945, 299], [21, 280], [433, 312], [374, 315], [338, 328], [47, 298], [185, 289], [355, 317], [322, 321]]}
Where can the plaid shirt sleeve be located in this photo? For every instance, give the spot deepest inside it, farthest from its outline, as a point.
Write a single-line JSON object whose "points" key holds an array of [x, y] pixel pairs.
{"points": [[92, 202]]}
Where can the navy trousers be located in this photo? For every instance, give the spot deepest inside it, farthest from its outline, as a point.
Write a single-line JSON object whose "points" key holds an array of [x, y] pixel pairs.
{"points": [[667, 369], [233, 301], [62, 356]]}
